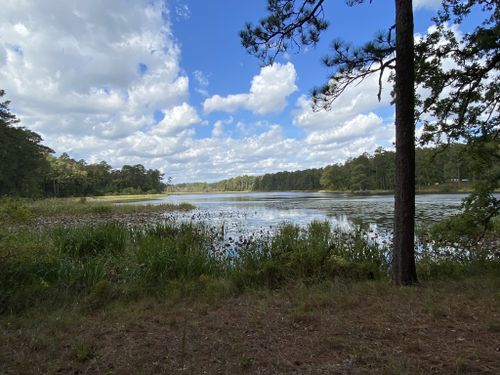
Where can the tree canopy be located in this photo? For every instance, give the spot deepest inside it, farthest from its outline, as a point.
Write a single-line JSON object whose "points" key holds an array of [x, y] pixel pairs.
{"points": [[23, 159]]}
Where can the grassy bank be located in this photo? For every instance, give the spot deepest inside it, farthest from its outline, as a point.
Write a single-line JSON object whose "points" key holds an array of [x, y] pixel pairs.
{"points": [[119, 198], [16, 211], [96, 264]]}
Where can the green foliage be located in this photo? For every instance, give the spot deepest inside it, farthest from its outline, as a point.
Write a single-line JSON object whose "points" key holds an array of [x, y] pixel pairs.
{"points": [[474, 234], [442, 168], [15, 210], [93, 265], [27, 168], [308, 179], [314, 253], [90, 266], [288, 26], [22, 156], [68, 177], [465, 67]]}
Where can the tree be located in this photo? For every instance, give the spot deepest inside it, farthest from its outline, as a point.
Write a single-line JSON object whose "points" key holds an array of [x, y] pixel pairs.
{"points": [[23, 161], [291, 24], [461, 74]]}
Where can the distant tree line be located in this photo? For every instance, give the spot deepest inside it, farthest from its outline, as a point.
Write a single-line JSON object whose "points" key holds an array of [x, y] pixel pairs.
{"points": [[440, 167], [445, 164], [68, 177]]}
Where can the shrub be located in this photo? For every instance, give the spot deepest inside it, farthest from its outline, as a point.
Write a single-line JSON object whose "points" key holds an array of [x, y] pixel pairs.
{"points": [[15, 210]]}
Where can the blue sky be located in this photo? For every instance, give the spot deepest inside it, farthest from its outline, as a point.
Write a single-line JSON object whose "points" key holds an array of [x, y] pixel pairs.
{"points": [[167, 84]]}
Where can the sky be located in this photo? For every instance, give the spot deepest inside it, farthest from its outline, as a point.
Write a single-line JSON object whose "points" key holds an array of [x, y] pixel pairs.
{"points": [[167, 84]]}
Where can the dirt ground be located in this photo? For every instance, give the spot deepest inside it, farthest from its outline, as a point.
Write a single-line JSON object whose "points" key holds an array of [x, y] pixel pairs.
{"points": [[365, 328]]}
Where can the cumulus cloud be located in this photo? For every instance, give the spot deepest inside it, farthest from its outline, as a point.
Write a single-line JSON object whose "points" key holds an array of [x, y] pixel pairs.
{"points": [[356, 99], [91, 68], [351, 127], [268, 92], [177, 118], [361, 126]]}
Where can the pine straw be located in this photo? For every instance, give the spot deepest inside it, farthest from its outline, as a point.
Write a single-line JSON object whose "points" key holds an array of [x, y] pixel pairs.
{"points": [[447, 327]]}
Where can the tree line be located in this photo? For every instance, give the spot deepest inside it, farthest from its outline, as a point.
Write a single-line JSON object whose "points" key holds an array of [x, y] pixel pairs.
{"points": [[437, 168], [29, 169]]}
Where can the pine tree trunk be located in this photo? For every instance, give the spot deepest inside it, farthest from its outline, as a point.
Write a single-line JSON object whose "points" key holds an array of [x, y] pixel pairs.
{"points": [[403, 256]]}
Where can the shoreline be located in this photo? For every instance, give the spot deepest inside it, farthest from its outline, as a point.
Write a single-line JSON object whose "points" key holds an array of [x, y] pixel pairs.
{"points": [[367, 192]]}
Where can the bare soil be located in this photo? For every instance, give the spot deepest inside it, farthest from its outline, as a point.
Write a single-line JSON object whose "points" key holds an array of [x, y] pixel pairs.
{"points": [[450, 327]]}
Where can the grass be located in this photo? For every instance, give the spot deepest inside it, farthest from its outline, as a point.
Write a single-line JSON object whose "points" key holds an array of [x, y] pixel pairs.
{"points": [[126, 198], [99, 263], [14, 211], [95, 264]]}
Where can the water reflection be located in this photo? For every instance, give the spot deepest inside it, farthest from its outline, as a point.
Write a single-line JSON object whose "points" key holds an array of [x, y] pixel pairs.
{"points": [[247, 213]]}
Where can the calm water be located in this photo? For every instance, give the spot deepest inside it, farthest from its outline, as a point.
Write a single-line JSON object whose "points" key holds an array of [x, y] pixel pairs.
{"points": [[248, 213]]}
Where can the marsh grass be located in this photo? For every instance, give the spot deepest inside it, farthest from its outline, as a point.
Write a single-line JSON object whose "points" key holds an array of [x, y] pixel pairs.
{"points": [[95, 264], [90, 266], [18, 210], [312, 254]]}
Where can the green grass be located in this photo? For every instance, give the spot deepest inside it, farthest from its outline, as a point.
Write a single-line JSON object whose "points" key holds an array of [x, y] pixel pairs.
{"points": [[15, 210], [126, 198], [94, 265]]}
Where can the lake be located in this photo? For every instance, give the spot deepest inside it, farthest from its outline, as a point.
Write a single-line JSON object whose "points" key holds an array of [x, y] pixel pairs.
{"points": [[244, 214]]}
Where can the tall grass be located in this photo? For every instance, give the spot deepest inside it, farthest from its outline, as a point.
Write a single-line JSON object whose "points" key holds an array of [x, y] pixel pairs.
{"points": [[94, 264], [68, 264], [311, 254]]}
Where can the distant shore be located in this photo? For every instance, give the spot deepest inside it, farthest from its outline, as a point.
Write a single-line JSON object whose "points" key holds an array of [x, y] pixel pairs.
{"points": [[146, 197]]}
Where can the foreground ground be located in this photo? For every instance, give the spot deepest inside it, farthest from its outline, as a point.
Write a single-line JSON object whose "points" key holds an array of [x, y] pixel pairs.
{"points": [[440, 327]]}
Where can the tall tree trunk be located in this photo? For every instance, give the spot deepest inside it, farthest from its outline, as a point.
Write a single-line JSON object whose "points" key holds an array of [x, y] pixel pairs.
{"points": [[403, 256]]}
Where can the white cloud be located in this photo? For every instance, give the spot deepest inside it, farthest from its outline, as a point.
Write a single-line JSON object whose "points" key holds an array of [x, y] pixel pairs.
{"points": [[268, 92], [90, 76], [361, 126], [89, 68], [177, 118], [356, 99], [218, 129], [428, 4]]}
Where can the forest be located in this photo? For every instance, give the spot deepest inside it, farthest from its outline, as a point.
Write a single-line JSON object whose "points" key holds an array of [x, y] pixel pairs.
{"points": [[450, 167]]}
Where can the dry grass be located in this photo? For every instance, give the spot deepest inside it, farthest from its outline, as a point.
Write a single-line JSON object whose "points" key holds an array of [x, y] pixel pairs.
{"points": [[447, 327]]}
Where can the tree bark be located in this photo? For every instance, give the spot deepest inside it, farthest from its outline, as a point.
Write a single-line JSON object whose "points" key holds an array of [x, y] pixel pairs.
{"points": [[403, 256]]}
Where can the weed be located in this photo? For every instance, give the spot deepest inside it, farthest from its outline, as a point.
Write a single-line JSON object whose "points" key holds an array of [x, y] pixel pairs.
{"points": [[83, 351], [245, 361]]}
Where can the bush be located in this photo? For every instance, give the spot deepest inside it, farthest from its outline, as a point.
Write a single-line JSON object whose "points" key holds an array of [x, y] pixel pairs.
{"points": [[15, 210]]}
